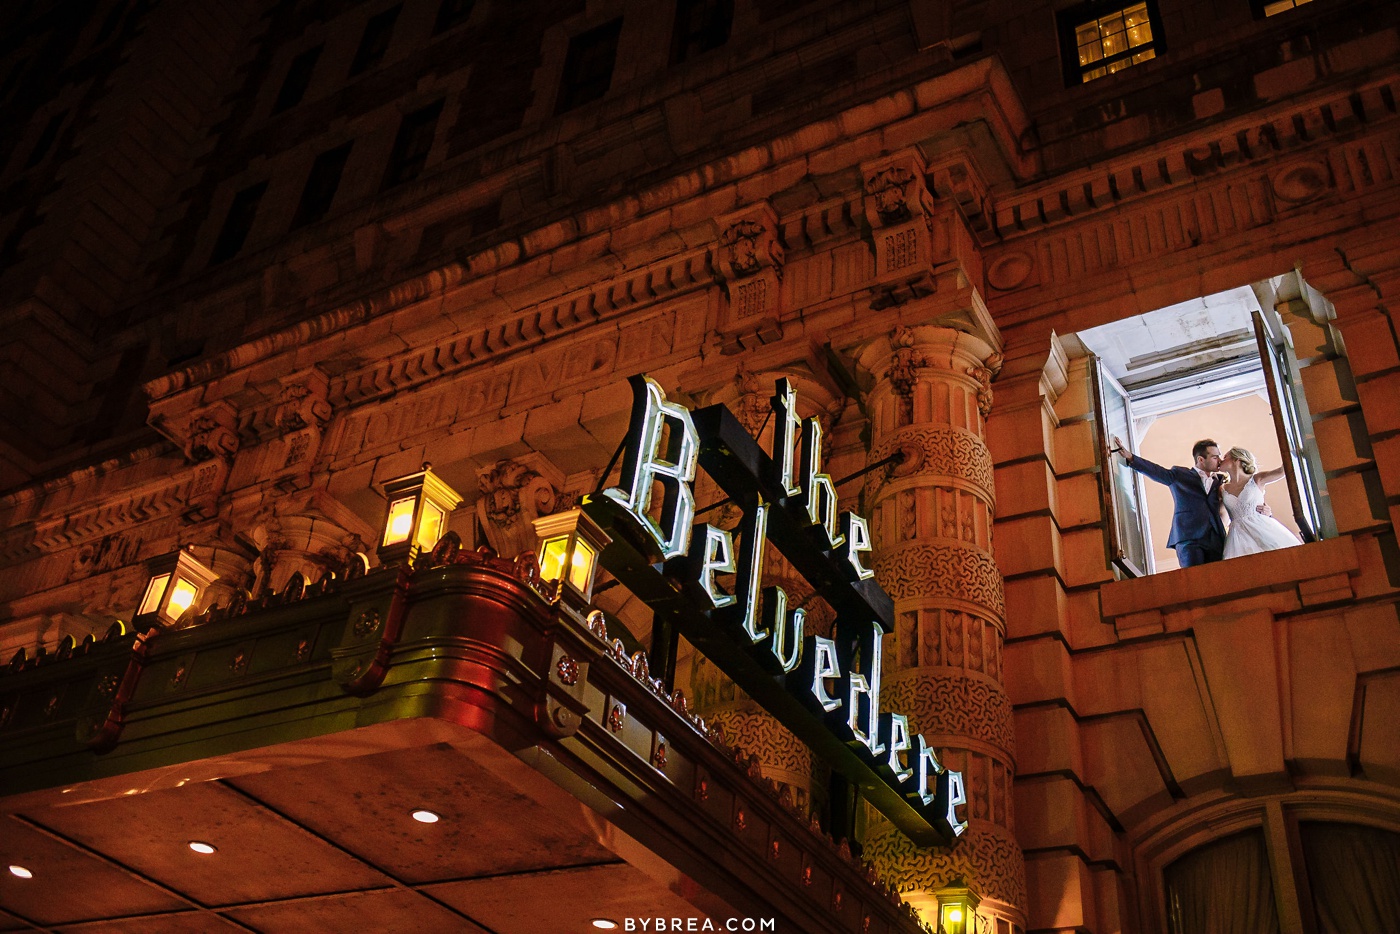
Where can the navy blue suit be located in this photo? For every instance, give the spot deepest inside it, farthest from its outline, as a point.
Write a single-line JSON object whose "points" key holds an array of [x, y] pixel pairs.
{"points": [[1198, 534]]}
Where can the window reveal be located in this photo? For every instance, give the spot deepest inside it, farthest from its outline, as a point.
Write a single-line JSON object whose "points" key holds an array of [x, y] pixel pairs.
{"points": [[321, 185], [588, 67], [412, 145]]}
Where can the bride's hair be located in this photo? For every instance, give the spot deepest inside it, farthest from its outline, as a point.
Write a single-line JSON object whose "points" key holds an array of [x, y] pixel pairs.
{"points": [[1245, 458]]}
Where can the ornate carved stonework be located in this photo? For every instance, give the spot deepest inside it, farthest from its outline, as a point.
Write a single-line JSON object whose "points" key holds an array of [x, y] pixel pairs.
{"points": [[987, 857], [212, 433], [952, 705], [513, 494], [889, 191], [106, 554], [899, 208], [948, 452], [750, 264], [302, 402], [933, 555], [928, 570]]}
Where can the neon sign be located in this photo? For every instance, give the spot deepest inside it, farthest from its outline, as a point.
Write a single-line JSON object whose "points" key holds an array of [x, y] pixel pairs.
{"points": [[825, 690]]}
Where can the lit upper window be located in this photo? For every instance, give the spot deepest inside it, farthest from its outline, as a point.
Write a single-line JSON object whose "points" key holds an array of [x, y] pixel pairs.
{"points": [[1100, 39], [1274, 7]]}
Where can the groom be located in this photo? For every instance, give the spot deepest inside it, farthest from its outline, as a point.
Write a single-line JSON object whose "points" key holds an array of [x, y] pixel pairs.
{"points": [[1198, 534]]}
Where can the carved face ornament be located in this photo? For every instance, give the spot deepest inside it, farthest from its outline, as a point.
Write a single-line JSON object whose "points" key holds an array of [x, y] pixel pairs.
{"points": [[890, 189]]}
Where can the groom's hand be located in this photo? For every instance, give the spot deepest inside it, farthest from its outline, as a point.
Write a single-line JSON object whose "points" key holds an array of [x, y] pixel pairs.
{"points": [[1264, 510]]}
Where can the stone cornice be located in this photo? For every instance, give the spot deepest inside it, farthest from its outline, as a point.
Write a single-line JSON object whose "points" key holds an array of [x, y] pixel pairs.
{"points": [[980, 90], [1328, 115]]}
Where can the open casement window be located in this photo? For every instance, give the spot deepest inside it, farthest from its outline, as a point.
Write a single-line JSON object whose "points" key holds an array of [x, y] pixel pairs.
{"points": [[1302, 466], [1124, 514]]}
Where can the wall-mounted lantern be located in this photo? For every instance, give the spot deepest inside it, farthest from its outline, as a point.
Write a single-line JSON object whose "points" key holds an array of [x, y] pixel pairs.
{"points": [[957, 907], [418, 508], [177, 582], [569, 544]]}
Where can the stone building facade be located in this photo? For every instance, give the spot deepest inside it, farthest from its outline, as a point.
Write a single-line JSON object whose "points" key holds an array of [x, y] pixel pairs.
{"points": [[258, 258]]}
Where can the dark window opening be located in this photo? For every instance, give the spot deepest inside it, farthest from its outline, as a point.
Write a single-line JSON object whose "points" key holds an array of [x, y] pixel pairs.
{"points": [[589, 66], [45, 141], [701, 25], [298, 79], [412, 145], [1099, 39], [452, 13], [238, 223], [375, 42], [321, 185], [109, 25], [12, 80]]}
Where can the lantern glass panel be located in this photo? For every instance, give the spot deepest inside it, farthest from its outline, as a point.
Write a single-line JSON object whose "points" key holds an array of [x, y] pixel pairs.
{"points": [[400, 524], [182, 595], [581, 565], [154, 591], [954, 919], [430, 525], [553, 554]]}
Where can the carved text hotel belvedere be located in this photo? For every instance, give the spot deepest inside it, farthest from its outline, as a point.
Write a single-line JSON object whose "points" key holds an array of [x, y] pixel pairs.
{"points": [[752, 633]]}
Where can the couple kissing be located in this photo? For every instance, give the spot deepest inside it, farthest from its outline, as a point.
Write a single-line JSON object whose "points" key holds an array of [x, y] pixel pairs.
{"points": [[1218, 486]]}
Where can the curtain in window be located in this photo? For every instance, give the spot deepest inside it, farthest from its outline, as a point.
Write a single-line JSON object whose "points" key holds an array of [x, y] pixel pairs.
{"points": [[1355, 876], [1222, 888]]}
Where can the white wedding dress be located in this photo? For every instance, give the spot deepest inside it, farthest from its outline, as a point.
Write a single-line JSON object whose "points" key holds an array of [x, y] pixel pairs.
{"points": [[1250, 531]]}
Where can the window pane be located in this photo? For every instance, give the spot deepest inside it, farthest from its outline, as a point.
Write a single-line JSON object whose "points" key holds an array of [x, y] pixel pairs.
{"points": [[701, 25], [238, 222], [45, 140], [452, 13], [1113, 37], [321, 185], [298, 79], [1127, 545], [412, 145], [589, 66], [375, 41]]}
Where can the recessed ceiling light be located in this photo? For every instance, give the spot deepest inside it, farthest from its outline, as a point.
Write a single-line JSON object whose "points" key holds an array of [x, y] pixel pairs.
{"points": [[604, 924], [201, 847], [423, 816], [20, 872]]}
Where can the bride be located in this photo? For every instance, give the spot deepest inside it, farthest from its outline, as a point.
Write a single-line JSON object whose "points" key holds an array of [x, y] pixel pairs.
{"points": [[1250, 531]]}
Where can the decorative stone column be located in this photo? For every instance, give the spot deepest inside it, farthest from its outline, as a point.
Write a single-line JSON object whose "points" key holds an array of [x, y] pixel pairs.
{"points": [[931, 520]]}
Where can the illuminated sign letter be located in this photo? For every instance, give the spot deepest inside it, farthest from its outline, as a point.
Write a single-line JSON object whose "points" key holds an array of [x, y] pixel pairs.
{"points": [[750, 587], [894, 732], [926, 770], [819, 666], [786, 627], [716, 557], [863, 694], [818, 492], [654, 422], [856, 539], [954, 791], [785, 438]]}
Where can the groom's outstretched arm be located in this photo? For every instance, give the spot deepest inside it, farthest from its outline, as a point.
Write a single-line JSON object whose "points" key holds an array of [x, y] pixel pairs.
{"points": [[1142, 465]]}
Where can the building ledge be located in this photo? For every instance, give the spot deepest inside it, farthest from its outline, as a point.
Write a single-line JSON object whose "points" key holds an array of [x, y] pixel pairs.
{"points": [[1316, 573]]}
